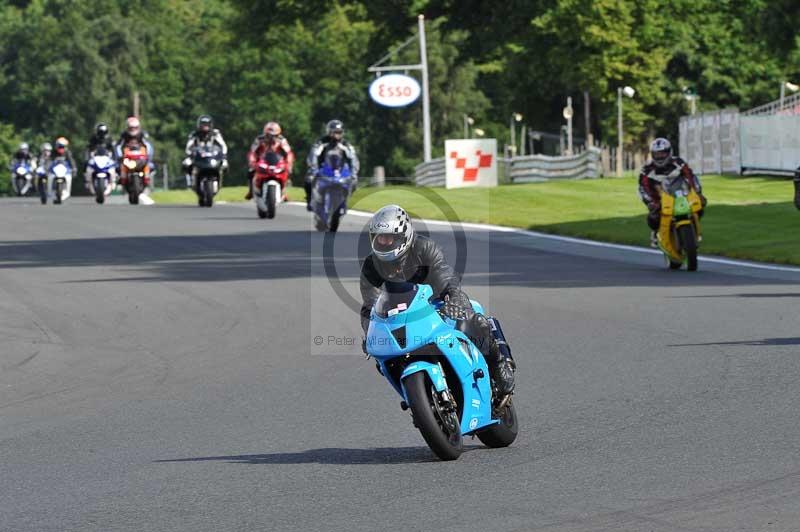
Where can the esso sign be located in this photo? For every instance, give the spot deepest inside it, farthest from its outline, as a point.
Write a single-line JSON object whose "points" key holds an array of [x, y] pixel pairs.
{"points": [[394, 90]]}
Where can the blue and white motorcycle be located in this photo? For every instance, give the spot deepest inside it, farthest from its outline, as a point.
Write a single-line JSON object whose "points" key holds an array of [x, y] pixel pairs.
{"points": [[60, 180], [334, 182], [440, 374], [101, 171], [21, 177]]}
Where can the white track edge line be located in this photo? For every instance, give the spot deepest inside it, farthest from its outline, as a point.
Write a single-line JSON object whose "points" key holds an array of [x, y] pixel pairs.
{"points": [[585, 242]]}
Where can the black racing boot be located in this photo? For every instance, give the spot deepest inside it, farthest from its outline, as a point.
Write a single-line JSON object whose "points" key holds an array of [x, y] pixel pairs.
{"points": [[502, 372], [501, 365]]}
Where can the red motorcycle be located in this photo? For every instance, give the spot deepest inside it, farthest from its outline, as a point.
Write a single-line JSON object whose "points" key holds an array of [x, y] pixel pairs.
{"points": [[269, 183], [134, 171]]}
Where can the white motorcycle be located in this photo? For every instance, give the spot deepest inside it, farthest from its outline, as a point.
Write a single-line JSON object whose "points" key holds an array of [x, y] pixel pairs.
{"points": [[60, 180], [21, 177]]}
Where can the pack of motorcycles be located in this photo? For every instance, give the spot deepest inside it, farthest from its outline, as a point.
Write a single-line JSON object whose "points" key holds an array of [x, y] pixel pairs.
{"points": [[334, 181], [439, 373]]}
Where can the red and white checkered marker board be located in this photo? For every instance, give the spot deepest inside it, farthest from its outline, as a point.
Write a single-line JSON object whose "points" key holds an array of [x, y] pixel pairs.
{"points": [[471, 163]]}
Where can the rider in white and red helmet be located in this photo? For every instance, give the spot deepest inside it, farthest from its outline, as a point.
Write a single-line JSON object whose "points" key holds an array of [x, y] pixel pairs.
{"points": [[271, 139], [662, 165]]}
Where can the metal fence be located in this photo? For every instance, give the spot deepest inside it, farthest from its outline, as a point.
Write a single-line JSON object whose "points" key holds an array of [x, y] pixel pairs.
{"points": [[710, 142], [430, 174], [789, 106], [535, 168]]}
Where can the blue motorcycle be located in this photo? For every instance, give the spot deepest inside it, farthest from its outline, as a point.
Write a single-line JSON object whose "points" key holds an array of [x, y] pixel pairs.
{"points": [[21, 177], [334, 182], [440, 374], [102, 168]]}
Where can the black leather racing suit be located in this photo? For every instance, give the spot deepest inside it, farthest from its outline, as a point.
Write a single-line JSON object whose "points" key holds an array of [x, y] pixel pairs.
{"points": [[425, 263]]}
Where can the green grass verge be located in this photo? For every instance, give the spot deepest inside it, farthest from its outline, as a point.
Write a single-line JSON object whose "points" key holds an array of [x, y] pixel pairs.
{"points": [[747, 217]]}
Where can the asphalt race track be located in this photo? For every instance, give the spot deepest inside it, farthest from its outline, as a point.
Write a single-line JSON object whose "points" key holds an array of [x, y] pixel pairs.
{"points": [[159, 372]]}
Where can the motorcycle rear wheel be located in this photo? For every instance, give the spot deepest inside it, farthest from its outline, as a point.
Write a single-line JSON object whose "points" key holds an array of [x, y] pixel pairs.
{"points": [[688, 240], [447, 445], [504, 433]]}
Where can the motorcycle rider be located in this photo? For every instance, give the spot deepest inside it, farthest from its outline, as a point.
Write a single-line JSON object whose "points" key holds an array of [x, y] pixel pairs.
{"points": [[400, 255], [270, 140], [62, 152], [45, 154], [24, 155], [99, 139], [133, 135], [204, 133], [334, 138], [663, 165]]}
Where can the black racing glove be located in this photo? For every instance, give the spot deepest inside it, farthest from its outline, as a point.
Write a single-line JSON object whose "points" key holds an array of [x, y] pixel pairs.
{"points": [[452, 310]]}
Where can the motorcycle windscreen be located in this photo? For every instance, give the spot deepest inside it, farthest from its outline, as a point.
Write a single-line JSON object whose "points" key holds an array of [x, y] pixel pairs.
{"points": [[395, 298]]}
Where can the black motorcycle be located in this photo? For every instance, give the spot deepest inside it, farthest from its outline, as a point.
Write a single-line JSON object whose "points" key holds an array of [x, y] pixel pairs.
{"points": [[207, 164]]}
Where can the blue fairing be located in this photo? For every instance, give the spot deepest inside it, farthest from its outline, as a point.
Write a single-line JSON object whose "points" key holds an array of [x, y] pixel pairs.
{"points": [[333, 187], [432, 345]]}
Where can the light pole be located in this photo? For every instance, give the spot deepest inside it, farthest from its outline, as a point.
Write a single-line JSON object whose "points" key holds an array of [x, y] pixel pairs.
{"points": [[787, 85], [478, 132], [691, 96], [629, 92], [468, 121], [567, 113], [515, 117]]}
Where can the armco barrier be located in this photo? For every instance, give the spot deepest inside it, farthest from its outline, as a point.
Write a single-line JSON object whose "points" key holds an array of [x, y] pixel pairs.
{"points": [[526, 169], [533, 168], [430, 174]]}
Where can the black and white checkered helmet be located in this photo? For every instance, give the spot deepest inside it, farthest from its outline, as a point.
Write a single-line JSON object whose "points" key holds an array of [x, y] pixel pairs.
{"points": [[390, 233]]}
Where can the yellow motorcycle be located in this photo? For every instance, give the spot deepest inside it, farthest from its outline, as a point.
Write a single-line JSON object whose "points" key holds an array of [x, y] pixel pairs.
{"points": [[679, 232]]}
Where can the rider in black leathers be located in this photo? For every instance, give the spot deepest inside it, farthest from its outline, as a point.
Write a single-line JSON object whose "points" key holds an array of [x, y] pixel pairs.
{"points": [[334, 138], [400, 255]]}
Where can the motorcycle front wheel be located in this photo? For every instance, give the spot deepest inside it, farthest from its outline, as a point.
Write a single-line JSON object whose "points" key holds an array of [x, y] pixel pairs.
{"points": [[688, 240], [208, 192], [272, 201], [133, 190], [57, 192], [100, 191], [43, 191], [443, 436]]}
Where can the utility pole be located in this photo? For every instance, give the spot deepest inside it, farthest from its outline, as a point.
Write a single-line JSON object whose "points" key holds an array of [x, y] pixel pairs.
{"points": [[587, 113], [135, 103], [619, 131], [422, 66], [569, 125], [426, 104]]}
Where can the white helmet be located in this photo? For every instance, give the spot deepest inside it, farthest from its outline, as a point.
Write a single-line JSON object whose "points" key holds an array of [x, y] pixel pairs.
{"points": [[661, 151], [390, 233]]}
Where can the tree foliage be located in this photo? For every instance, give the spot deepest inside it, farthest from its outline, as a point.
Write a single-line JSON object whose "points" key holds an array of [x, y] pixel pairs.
{"points": [[66, 65]]}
